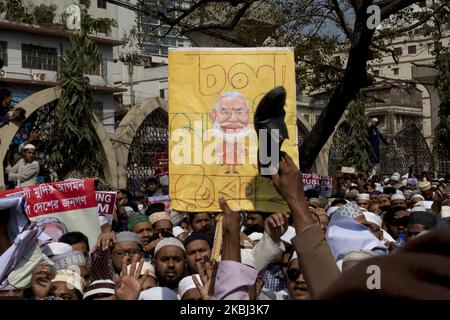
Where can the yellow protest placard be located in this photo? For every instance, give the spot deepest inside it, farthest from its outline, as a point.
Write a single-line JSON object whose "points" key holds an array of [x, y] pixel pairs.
{"points": [[213, 94]]}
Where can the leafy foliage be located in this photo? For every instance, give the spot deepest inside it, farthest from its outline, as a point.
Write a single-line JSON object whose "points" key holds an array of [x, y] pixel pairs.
{"points": [[76, 149], [358, 139], [442, 130], [44, 14]]}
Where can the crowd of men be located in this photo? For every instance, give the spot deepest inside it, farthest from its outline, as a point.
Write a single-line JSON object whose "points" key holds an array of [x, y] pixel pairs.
{"points": [[321, 248]]}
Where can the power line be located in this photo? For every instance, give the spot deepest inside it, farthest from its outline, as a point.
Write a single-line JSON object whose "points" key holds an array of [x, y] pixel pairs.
{"points": [[153, 12]]}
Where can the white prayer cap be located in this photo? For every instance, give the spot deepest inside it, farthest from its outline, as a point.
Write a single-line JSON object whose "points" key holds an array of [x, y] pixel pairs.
{"points": [[374, 120], [359, 255], [66, 260], [247, 258], [405, 176], [147, 266], [353, 184], [169, 242], [373, 218], [177, 231], [395, 177], [418, 207], [54, 248], [403, 183], [69, 277], [29, 146], [386, 180], [256, 236], [158, 293], [128, 236], [424, 204], [187, 284], [289, 234], [158, 216], [417, 196], [398, 196], [363, 196], [408, 193], [331, 210]]}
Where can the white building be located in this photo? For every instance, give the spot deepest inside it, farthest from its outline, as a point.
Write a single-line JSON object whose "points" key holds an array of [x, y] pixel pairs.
{"points": [[149, 75], [416, 57], [32, 58]]}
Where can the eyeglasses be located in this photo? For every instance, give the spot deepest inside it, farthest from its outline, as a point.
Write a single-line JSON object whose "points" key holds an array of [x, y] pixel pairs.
{"points": [[228, 113], [131, 252], [293, 274]]}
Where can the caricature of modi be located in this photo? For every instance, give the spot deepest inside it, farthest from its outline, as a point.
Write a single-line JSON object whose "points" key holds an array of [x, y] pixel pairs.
{"points": [[231, 122]]}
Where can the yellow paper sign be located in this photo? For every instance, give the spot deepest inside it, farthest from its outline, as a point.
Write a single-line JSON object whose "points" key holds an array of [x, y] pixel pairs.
{"points": [[213, 147]]}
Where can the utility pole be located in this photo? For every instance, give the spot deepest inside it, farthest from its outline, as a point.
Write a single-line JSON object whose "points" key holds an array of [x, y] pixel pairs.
{"points": [[131, 59]]}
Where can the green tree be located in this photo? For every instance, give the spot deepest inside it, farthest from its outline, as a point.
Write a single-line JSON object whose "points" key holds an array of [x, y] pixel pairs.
{"points": [[317, 29], [358, 142], [76, 150], [442, 130]]}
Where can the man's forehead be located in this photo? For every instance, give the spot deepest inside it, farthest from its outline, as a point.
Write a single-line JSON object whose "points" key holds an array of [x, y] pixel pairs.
{"points": [[128, 244], [169, 252], [197, 244], [232, 101]]}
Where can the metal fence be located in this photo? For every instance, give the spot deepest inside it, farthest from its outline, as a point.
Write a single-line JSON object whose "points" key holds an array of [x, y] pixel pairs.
{"points": [[151, 140], [408, 149]]}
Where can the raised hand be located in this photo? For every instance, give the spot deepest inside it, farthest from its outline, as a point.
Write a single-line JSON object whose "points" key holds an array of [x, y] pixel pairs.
{"points": [[288, 181], [129, 284], [206, 272], [231, 225], [41, 278], [105, 239], [276, 225]]}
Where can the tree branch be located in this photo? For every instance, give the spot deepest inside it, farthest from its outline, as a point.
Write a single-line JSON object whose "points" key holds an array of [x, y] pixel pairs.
{"points": [[389, 7], [342, 20], [414, 25], [220, 26], [386, 50]]}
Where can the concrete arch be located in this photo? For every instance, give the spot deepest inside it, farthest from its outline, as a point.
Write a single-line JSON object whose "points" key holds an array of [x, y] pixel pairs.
{"points": [[126, 131], [33, 103]]}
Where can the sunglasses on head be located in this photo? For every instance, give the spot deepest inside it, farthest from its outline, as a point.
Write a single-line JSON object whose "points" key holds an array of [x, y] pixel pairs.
{"points": [[293, 274]]}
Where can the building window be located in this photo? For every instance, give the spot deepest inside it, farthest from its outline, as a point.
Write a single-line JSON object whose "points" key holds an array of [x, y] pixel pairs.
{"points": [[162, 93], [98, 109], [411, 49], [337, 60], [306, 116], [395, 70], [104, 69], [37, 57], [101, 4], [4, 52], [376, 73], [398, 51], [316, 118]]}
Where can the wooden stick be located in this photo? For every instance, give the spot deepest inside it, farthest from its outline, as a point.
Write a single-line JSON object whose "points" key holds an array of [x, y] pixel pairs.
{"points": [[217, 247]]}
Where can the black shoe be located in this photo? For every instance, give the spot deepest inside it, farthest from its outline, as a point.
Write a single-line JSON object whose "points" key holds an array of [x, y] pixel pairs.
{"points": [[269, 115]]}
